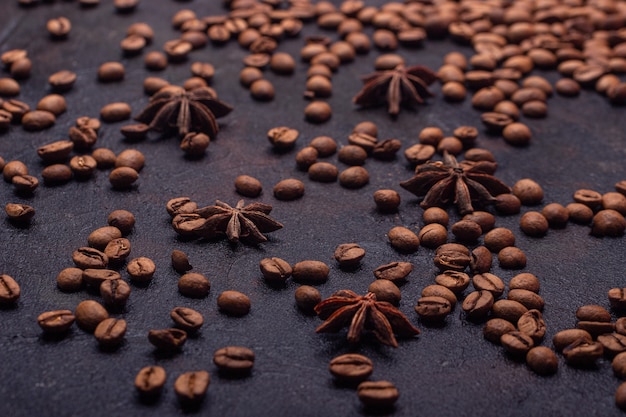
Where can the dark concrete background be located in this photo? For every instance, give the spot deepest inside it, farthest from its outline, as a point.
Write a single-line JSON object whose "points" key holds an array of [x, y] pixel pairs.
{"points": [[448, 371]]}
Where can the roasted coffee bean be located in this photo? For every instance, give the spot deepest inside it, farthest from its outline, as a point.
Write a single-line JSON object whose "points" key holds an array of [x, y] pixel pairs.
{"points": [[9, 290], [528, 191], [582, 352], [87, 257], [403, 239], [180, 261], [590, 198], [141, 269], [495, 328], [617, 298], [83, 137], [385, 290], [289, 189], [319, 86], [354, 177], [363, 140], [455, 281], [180, 205], [83, 166], [194, 285], [481, 260], [516, 343], [19, 213], [310, 271], [394, 271], [528, 299], [111, 71], [5, 119], [608, 223], [324, 145], [282, 138], [187, 319], [9, 87], [306, 157], [387, 201], [568, 336], [466, 230], [89, 314], [248, 186], [117, 250], [124, 220], [38, 120], [477, 304], [352, 155], [349, 254], [168, 340], [54, 103], [233, 303], [282, 63], [596, 328], [307, 298], [131, 158], [542, 360], [95, 277], [151, 85], [115, 112], [499, 238], [387, 149], [110, 332], [556, 215], [534, 224], [234, 360], [509, 310], [275, 270], [323, 172], [114, 292], [524, 281], [177, 50], [191, 387], [135, 132], [507, 204], [532, 324], [351, 367], [56, 174], [613, 343], [150, 381], [433, 308], [377, 393], [615, 201], [62, 81], [70, 279], [123, 178], [317, 112], [55, 322], [593, 313], [155, 61], [132, 44], [452, 256], [488, 282], [512, 258], [262, 90], [100, 237], [619, 365]]}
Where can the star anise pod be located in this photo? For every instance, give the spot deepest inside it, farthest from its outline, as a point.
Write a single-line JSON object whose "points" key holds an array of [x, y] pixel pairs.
{"points": [[186, 111], [346, 308], [461, 183], [401, 85], [240, 222]]}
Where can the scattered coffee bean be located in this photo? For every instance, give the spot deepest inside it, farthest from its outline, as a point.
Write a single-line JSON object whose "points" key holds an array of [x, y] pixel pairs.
{"points": [[488, 282], [111, 71], [233, 303], [351, 368], [315, 272], [194, 285], [101, 237], [323, 172], [307, 298], [262, 90], [38, 120], [613, 343], [477, 304], [354, 177], [62, 81], [234, 360], [123, 178], [516, 343], [582, 352], [191, 387], [394, 271], [180, 261], [275, 270], [56, 322], [110, 332], [403, 239], [141, 269], [115, 112], [187, 319], [289, 189], [282, 138], [534, 224], [95, 277], [117, 250], [9, 290], [377, 393], [70, 279], [593, 313], [385, 290], [248, 186], [115, 292], [387, 201], [529, 299], [87, 257], [542, 360], [19, 213], [124, 220], [512, 258], [317, 112], [495, 328], [524, 281], [167, 340], [150, 381], [608, 223], [352, 155], [89, 314]]}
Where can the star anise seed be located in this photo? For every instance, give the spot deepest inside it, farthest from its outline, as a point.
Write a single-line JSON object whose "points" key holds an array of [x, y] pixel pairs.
{"points": [[240, 222], [361, 313], [399, 86], [461, 183], [186, 111]]}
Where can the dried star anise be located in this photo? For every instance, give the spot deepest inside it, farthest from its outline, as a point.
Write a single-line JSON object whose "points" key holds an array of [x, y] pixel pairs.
{"points": [[362, 313], [240, 222], [401, 85], [186, 111], [461, 183]]}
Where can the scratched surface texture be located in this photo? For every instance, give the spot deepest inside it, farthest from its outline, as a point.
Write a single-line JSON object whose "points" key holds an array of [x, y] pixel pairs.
{"points": [[445, 371]]}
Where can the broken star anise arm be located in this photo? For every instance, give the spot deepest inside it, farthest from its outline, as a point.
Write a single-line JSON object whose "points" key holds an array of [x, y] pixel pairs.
{"points": [[399, 322], [381, 328]]}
